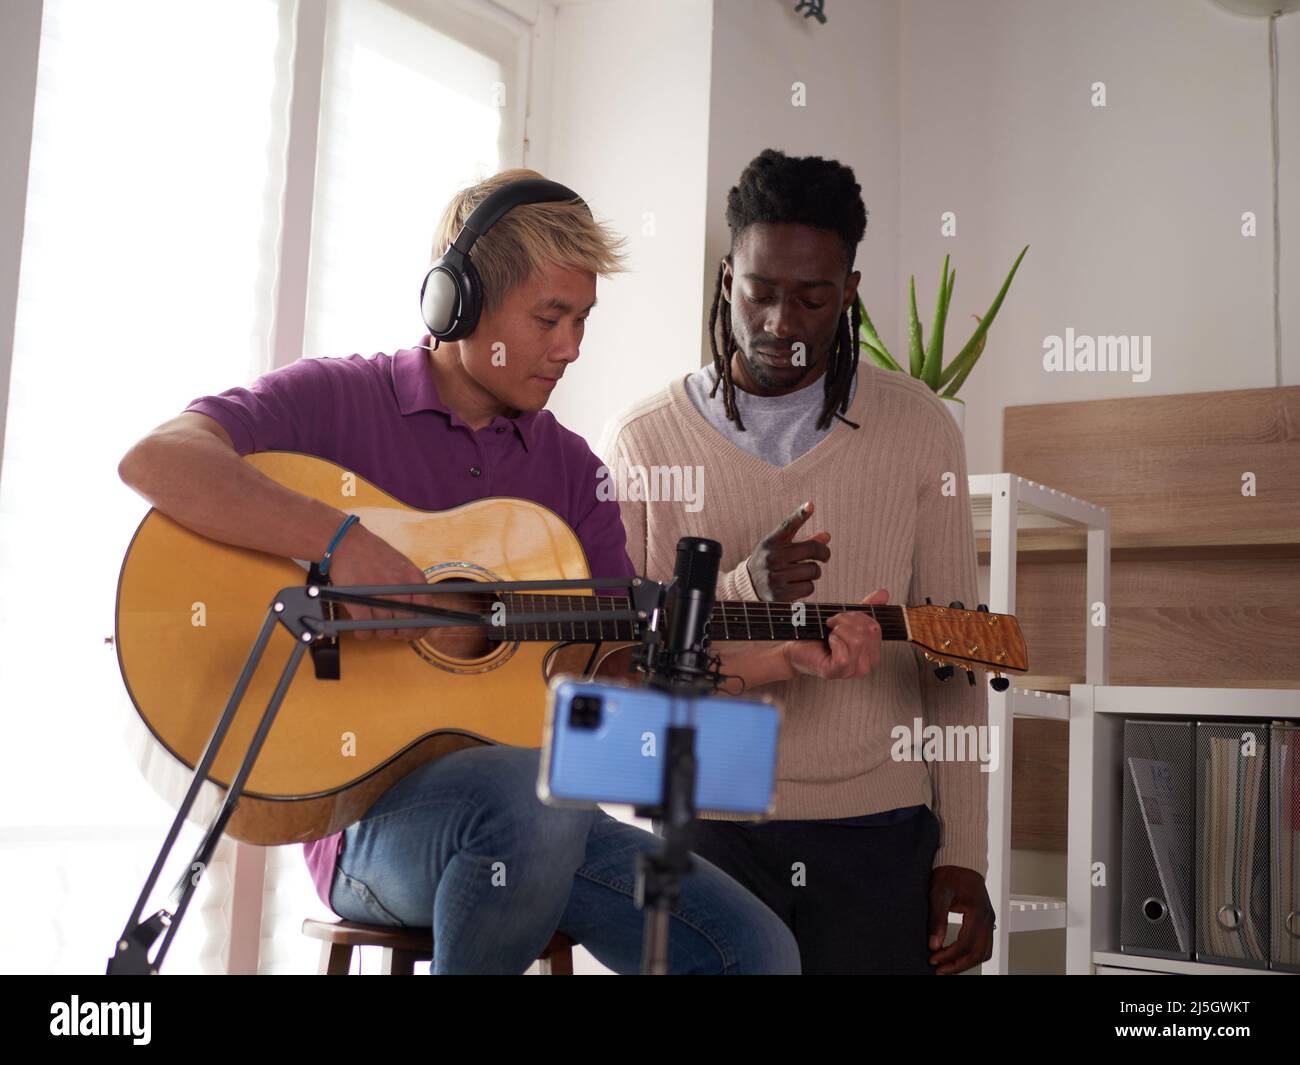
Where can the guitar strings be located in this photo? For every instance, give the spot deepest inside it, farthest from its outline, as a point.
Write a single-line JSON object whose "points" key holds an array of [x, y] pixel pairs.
{"points": [[725, 613], [593, 604]]}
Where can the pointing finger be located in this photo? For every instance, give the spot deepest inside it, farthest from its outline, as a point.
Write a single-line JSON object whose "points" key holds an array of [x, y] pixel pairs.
{"points": [[787, 529]]}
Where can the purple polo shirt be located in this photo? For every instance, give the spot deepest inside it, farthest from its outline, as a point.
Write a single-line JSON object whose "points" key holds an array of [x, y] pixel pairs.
{"points": [[381, 418]]}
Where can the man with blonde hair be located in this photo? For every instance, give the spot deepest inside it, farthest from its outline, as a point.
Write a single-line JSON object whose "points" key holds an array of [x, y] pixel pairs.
{"points": [[438, 426]]}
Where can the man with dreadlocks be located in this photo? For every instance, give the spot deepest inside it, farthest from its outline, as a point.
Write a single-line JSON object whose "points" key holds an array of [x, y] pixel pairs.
{"points": [[870, 845]]}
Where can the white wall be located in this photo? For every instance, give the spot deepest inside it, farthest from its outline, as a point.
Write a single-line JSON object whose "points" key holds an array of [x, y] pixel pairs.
{"points": [[629, 131], [850, 72], [1133, 211]]}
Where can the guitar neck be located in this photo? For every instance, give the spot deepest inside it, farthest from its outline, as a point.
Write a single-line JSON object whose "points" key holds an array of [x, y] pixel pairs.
{"points": [[730, 620], [739, 620]]}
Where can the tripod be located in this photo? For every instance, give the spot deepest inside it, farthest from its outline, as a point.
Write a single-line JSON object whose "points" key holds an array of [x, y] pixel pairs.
{"points": [[303, 612]]}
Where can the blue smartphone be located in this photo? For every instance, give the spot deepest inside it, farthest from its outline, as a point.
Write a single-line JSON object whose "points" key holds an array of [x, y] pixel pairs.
{"points": [[608, 743]]}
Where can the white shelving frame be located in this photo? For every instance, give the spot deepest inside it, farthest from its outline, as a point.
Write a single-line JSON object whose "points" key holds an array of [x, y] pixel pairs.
{"points": [[1097, 714], [1001, 504]]}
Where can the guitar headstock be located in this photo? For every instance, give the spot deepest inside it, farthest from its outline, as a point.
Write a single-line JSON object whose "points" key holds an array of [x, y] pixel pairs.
{"points": [[969, 639]]}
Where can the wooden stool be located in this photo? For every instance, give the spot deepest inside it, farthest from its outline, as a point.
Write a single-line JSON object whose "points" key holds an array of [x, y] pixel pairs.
{"points": [[403, 947]]}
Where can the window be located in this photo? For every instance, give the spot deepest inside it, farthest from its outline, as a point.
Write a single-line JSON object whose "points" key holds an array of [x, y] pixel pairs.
{"points": [[154, 254], [150, 232], [409, 115]]}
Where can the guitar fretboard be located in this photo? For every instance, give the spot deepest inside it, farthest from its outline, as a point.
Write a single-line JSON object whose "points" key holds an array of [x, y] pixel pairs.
{"points": [[730, 620]]}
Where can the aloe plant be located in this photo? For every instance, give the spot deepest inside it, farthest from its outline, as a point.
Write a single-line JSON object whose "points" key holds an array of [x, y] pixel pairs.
{"points": [[926, 363]]}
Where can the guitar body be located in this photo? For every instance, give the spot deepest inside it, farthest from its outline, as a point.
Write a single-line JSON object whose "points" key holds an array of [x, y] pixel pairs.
{"points": [[189, 609]]}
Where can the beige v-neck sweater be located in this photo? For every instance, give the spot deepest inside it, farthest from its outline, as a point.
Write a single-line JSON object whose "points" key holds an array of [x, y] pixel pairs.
{"points": [[894, 497]]}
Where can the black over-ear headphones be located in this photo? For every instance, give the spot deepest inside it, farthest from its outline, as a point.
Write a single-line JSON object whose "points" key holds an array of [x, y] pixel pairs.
{"points": [[451, 297]]}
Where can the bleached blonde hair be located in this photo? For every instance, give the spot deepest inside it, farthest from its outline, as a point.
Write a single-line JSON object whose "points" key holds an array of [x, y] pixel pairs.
{"points": [[528, 237]]}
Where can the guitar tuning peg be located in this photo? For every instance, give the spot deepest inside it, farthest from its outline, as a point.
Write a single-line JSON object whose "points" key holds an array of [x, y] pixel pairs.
{"points": [[999, 683], [956, 604], [944, 672], [984, 607], [970, 676]]}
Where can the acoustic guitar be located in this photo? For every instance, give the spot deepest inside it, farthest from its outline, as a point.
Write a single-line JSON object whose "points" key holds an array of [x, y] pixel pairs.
{"points": [[189, 609]]}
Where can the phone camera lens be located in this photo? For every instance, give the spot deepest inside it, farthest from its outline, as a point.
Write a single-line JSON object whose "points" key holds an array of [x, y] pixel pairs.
{"points": [[584, 711]]}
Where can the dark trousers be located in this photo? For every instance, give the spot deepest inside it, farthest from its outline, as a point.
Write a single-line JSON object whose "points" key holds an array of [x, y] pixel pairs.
{"points": [[856, 897]]}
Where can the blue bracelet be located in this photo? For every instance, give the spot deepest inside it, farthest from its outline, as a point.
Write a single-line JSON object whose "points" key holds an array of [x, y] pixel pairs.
{"points": [[348, 522]]}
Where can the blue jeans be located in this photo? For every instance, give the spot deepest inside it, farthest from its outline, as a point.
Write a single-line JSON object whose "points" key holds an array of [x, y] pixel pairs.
{"points": [[464, 844]]}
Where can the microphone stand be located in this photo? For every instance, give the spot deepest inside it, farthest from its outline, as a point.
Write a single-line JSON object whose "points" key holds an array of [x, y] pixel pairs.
{"points": [[683, 670], [302, 611], [658, 885]]}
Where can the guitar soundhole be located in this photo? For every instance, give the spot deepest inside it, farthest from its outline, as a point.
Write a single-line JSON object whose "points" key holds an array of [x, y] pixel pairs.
{"points": [[463, 649], [465, 644]]}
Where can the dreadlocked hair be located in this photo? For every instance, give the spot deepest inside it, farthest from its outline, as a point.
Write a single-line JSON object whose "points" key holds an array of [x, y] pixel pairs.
{"points": [[809, 191]]}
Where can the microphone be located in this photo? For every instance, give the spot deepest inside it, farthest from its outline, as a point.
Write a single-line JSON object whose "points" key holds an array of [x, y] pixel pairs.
{"points": [[690, 605]]}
